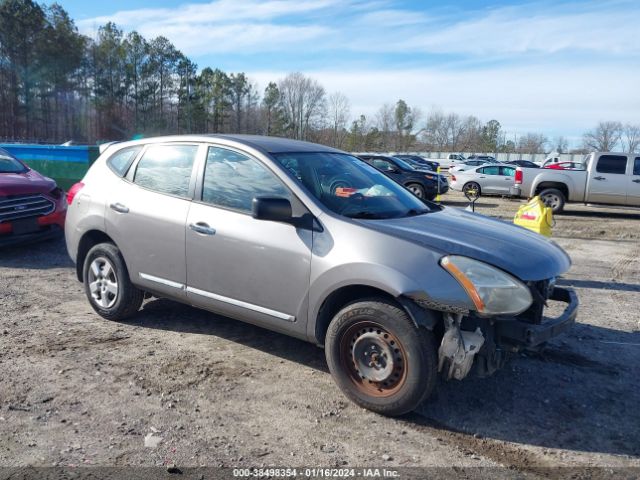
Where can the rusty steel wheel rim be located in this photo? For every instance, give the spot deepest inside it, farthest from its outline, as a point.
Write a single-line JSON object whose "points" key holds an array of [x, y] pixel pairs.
{"points": [[374, 359]]}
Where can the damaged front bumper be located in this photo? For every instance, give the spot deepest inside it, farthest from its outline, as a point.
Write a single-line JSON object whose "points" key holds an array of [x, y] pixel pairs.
{"points": [[488, 340], [520, 333]]}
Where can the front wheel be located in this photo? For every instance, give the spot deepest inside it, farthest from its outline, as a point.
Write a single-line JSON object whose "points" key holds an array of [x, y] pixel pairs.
{"points": [[107, 284], [379, 358], [554, 199], [416, 189]]}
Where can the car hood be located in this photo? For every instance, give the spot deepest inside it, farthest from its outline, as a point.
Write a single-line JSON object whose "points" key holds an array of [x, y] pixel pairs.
{"points": [[25, 183], [525, 254]]}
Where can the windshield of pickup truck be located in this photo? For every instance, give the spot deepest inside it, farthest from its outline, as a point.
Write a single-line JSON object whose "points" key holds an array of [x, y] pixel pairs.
{"points": [[350, 187], [8, 164]]}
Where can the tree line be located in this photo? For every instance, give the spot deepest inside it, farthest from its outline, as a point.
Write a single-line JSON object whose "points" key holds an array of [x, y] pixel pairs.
{"points": [[58, 85]]}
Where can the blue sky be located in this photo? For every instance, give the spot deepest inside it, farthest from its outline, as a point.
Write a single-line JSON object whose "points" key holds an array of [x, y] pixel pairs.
{"points": [[553, 67]]}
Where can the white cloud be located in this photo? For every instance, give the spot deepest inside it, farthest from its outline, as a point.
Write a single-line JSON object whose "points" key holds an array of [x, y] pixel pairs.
{"points": [[546, 98], [372, 27]]}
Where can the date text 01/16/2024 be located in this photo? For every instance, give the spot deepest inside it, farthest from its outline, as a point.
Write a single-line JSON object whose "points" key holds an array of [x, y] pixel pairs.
{"points": [[316, 472]]}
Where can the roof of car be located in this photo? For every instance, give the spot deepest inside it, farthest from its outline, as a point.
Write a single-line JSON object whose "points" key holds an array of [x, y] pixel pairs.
{"points": [[259, 142]]}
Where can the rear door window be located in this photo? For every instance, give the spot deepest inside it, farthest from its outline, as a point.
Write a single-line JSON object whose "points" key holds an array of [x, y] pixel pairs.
{"points": [[615, 164], [166, 169], [507, 171], [636, 166]]}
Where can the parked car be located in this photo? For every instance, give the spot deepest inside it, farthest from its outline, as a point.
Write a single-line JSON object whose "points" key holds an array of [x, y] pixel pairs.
{"points": [[314, 243], [450, 160], [419, 162], [604, 178], [461, 167], [421, 182], [32, 207], [523, 163], [496, 179], [487, 158], [565, 166]]}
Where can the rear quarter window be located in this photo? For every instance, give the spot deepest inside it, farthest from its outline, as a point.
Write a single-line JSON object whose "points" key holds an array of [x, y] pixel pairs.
{"points": [[120, 161], [616, 164]]}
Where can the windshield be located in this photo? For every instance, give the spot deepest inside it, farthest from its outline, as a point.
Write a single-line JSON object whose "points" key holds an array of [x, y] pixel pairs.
{"points": [[403, 164], [8, 164], [350, 187]]}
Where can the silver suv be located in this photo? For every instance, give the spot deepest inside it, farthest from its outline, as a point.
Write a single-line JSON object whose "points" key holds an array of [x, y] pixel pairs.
{"points": [[314, 243]]}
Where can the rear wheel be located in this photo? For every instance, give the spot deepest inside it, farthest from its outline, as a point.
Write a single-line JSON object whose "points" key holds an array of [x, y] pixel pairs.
{"points": [[379, 358], [471, 189], [416, 189], [107, 284], [554, 199]]}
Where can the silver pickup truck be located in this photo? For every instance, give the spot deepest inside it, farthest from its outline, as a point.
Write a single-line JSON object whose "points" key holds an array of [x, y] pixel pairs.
{"points": [[603, 178]]}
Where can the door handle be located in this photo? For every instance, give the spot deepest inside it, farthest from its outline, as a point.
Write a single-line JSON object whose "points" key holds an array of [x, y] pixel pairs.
{"points": [[118, 207], [202, 228], [599, 178], [636, 181]]}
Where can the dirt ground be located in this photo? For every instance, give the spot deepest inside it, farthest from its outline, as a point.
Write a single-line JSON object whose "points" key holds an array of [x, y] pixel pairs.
{"points": [[180, 385]]}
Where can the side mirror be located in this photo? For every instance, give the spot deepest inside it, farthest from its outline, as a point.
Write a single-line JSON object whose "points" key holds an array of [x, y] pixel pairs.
{"points": [[275, 209]]}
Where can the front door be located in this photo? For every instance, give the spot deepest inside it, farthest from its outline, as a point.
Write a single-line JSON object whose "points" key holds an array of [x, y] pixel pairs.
{"points": [[633, 184], [608, 180], [146, 215], [254, 270]]}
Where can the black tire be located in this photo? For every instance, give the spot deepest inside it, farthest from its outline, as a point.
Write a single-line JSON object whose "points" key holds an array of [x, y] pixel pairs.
{"points": [[416, 189], [413, 351], [472, 186], [127, 299], [553, 198]]}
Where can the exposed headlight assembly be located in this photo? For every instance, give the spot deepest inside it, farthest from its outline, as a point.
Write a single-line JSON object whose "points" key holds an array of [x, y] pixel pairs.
{"points": [[492, 291]]}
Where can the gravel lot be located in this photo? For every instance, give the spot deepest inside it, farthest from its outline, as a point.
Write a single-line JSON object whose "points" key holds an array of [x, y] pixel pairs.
{"points": [[179, 385]]}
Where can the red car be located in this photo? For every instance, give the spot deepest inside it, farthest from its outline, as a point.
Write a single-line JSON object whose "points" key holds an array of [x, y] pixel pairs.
{"points": [[32, 207], [565, 166]]}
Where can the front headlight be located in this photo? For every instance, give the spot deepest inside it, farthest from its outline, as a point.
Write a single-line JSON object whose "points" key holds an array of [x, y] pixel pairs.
{"points": [[492, 291]]}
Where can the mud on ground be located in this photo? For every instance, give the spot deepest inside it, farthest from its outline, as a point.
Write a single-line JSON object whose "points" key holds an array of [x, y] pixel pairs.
{"points": [[199, 389]]}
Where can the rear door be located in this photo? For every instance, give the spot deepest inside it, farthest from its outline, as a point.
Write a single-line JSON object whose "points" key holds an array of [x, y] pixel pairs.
{"points": [[506, 179], [608, 180], [489, 179], [633, 184], [146, 215]]}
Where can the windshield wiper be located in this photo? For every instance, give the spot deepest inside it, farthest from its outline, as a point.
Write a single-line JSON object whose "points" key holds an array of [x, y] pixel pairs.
{"points": [[364, 214], [414, 211]]}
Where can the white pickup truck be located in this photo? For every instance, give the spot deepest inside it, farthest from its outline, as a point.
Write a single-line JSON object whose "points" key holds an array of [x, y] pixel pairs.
{"points": [[607, 178], [450, 160]]}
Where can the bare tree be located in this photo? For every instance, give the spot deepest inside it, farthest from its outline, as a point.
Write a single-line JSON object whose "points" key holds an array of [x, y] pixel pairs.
{"points": [[560, 144], [303, 103], [631, 139], [532, 143], [385, 121], [604, 138], [339, 111]]}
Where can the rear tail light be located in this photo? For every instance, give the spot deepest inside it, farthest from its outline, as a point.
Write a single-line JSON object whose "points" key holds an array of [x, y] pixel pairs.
{"points": [[73, 191], [518, 177], [453, 178]]}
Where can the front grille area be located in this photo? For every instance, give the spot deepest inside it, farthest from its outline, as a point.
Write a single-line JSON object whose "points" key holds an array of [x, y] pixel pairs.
{"points": [[540, 291], [15, 207]]}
